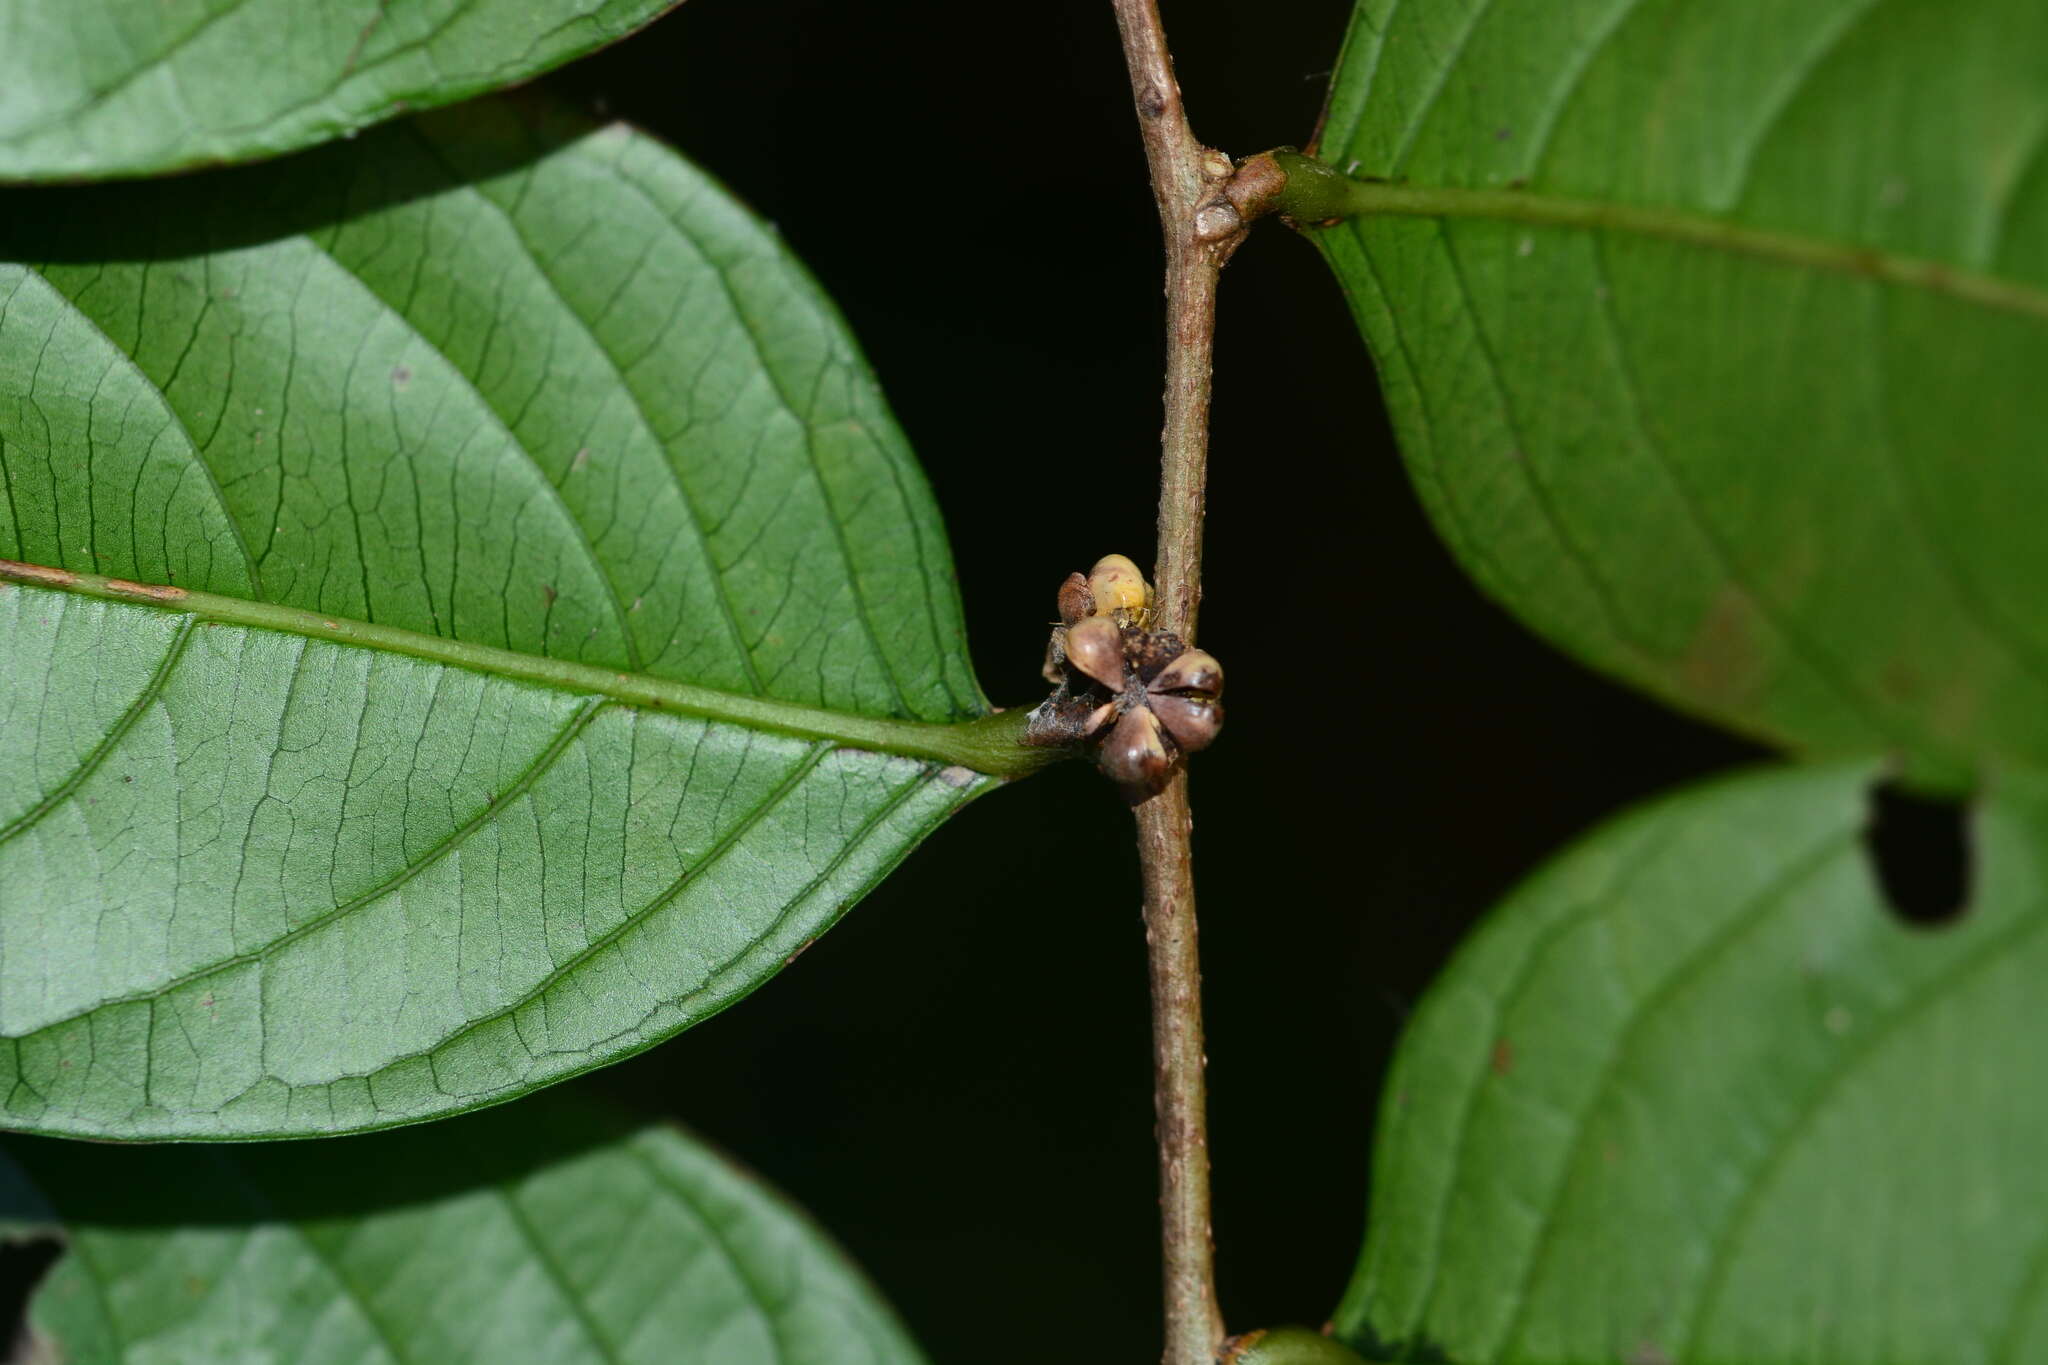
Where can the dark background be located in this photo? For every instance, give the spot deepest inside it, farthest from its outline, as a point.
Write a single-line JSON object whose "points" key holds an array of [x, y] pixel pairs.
{"points": [[956, 1080]]}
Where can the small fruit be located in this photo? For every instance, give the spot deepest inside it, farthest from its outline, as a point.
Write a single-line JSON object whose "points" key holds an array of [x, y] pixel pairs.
{"points": [[1134, 755], [1162, 700], [1193, 723], [1193, 672], [1096, 647]]}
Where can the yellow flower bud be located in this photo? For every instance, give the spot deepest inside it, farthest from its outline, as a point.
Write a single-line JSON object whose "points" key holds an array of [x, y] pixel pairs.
{"points": [[1118, 587]]}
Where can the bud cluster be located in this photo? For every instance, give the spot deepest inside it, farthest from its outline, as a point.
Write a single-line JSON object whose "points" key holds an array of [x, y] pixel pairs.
{"points": [[1141, 697]]}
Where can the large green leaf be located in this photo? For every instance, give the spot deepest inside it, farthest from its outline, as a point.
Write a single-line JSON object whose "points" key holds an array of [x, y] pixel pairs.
{"points": [[126, 87], [545, 1234], [1713, 335], [1694, 1094], [551, 634]]}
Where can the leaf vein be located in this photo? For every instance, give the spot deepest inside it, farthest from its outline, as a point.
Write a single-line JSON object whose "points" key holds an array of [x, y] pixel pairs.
{"points": [[515, 445], [1971, 603], [1741, 920], [97, 755], [742, 1271], [488, 812], [1851, 1061], [176, 421], [1821, 667], [1414, 125], [559, 1277], [712, 856], [1779, 101], [1523, 457], [1501, 1004], [750, 329], [643, 418]]}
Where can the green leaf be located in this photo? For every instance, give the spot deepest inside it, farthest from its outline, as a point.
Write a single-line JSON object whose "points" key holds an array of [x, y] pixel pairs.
{"points": [[131, 87], [1712, 335], [1694, 1094], [548, 1234], [552, 632]]}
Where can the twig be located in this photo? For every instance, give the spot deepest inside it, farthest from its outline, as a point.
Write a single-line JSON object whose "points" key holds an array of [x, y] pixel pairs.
{"points": [[1194, 1322], [1201, 229]]}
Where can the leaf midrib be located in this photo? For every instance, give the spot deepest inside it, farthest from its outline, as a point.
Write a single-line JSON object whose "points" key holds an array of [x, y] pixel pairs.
{"points": [[989, 745], [1368, 198]]}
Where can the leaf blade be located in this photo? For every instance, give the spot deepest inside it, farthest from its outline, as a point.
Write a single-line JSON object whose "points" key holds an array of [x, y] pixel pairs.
{"points": [[1720, 461], [269, 869], [505, 384], [1704, 1021], [691, 857], [559, 1233], [140, 88]]}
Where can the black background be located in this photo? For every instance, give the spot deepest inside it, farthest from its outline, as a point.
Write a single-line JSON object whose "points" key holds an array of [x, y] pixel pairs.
{"points": [[955, 1081]]}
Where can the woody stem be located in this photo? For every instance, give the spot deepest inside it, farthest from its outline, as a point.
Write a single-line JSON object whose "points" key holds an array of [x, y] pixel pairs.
{"points": [[1200, 230]]}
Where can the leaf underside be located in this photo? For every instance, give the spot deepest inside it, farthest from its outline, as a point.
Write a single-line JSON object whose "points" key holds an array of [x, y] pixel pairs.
{"points": [[549, 1234], [1693, 1094], [1712, 336], [491, 378], [1801, 499], [129, 87]]}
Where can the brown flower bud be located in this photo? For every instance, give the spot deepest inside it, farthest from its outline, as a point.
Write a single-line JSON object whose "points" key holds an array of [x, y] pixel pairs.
{"points": [[1099, 717], [1194, 673], [1193, 722], [1096, 647], [1076, 602], [1135, 755]]}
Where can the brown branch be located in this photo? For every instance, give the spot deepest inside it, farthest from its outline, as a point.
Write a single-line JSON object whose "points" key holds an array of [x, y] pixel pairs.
{"points": [[1201, 228], [1194, 1322]]}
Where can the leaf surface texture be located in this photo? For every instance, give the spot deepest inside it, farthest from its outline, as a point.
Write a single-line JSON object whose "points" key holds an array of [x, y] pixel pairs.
{"points": [[503, 383], [1716, 356], [1694, 1093], [129, 87], [546, 1233]]}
